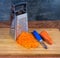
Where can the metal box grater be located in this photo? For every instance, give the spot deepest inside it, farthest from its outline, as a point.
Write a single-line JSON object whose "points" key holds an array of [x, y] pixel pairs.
{"points": [[20, 20]]}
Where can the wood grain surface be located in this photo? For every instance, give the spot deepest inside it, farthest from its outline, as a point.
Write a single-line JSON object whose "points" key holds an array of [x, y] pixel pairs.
{"points": [[36, 24], [8, 45]]}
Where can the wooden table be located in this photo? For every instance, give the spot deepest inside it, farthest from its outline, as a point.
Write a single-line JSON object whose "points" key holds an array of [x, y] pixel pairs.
{"points": [[8, 45]]}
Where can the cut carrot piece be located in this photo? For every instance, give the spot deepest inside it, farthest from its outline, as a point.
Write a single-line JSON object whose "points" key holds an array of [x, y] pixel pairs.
{"points": [[46, 37], [27, 40]]}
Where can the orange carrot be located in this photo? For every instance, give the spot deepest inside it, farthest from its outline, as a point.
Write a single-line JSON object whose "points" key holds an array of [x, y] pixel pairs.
{"points": [[27, 40], [46, 37]]}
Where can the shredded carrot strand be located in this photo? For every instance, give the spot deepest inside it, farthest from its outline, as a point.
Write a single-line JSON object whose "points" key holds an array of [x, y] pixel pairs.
{"points": [[27, 40]]}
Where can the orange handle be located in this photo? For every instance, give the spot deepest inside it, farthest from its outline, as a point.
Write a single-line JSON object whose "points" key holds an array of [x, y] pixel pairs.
{"points": [[46, 37]]}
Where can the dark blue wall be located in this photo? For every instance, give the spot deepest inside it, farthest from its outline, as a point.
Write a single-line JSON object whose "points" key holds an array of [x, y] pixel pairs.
{"points": [[44, 9], [5, 9], [37, 9]]}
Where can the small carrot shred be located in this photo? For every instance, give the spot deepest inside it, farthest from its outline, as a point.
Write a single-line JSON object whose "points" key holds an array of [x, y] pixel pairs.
{"points": [[27, 40]]}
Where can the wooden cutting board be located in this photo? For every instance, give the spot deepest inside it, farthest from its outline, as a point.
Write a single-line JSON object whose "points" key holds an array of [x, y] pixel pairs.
{"points": [[8, 45]]}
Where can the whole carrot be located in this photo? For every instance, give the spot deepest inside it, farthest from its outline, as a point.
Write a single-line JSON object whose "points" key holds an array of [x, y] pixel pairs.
{"points": [[46, 37]]}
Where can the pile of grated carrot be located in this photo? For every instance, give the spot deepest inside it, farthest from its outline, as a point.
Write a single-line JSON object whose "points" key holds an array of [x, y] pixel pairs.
{"points": [[27, 40]]}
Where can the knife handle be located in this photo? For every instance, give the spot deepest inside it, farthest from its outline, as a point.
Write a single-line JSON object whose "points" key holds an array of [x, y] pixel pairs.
{"points": [[37, 36]]}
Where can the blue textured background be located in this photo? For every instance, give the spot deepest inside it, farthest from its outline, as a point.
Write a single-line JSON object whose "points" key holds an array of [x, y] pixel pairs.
{"points": [[44, 9], [37, 9], [5, 9]]}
